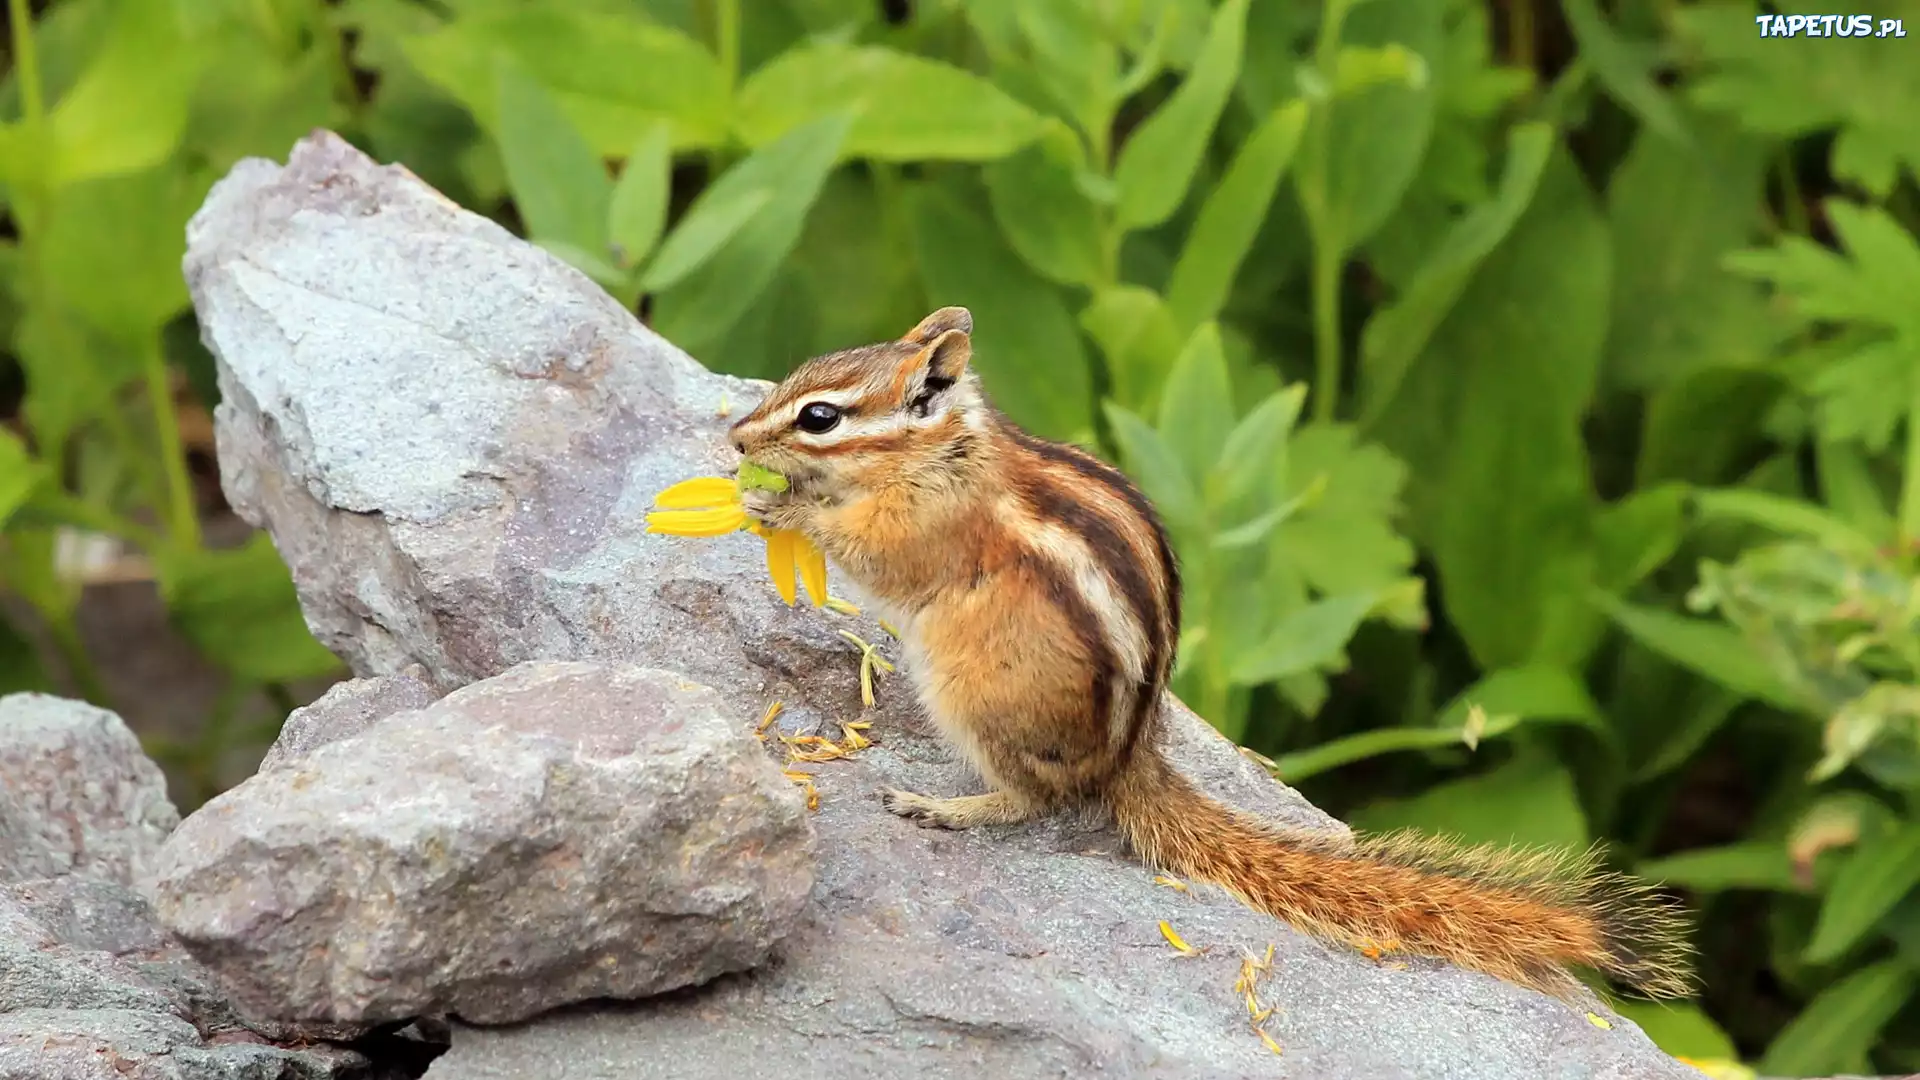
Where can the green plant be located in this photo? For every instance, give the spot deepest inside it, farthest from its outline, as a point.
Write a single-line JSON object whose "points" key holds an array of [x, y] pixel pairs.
{"points": [[1460, 344]]}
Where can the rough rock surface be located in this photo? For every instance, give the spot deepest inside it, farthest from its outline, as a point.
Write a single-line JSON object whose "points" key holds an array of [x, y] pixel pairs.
{"points": [[90, 985], [348, 708], [77, 794], [561, 832], [453, 438]]}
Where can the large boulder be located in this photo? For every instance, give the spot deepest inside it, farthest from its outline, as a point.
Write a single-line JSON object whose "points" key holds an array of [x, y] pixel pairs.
{"points": [[560, 832], [453, 437]]}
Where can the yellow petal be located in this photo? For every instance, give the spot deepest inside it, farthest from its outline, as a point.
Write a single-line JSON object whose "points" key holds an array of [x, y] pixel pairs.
{"points": [[705, 491], [813, 569], [697, 522], [780, 562], [1173, 939]]}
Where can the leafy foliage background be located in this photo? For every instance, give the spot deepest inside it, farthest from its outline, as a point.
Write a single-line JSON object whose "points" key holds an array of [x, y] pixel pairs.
{"points": [[1530, 387]]}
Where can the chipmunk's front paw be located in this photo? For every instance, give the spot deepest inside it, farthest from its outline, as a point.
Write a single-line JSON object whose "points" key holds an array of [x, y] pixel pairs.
{"points": [[923, 811], [774, 509]]}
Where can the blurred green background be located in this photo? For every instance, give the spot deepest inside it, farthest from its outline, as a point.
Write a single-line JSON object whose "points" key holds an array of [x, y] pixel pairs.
{"points": [[1530, 385]]}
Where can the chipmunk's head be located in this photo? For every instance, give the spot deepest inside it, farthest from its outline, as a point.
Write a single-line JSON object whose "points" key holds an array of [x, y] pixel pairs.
{"points": [[854, 420]]}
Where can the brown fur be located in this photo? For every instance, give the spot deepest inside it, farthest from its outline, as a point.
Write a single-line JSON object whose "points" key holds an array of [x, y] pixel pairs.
{"points": [[1039, 603]]}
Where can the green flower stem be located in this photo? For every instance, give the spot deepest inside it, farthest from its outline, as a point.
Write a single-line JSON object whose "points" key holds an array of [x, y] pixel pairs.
{"points": [[183, 522], [26, 61], [1910, 481], [726, 32], [1329, 254]]}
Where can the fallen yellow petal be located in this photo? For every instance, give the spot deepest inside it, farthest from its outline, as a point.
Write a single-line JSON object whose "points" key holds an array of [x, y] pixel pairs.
{"points": [[780, 562], [1173, 939], [773, 712], [697, 522], [1171, 883], [835, 604], [1599, 1021], [704, 491], [1268, 1039]]}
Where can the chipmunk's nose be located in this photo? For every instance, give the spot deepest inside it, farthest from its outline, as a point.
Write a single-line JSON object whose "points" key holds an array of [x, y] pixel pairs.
{"points": [[740, 444]]}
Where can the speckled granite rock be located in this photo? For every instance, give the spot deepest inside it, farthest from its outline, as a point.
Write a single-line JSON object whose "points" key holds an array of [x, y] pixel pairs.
{"points": [[77, 794], [453, 438], [560, 832], [348, 708]]}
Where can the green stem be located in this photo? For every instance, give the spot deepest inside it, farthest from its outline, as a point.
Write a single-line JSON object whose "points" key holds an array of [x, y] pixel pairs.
{"points": [[1910, 482], [1520, 34], [183, 523], [727, 39], [26, 61], [1326, 329], [1793, 207], [1328, 252]]}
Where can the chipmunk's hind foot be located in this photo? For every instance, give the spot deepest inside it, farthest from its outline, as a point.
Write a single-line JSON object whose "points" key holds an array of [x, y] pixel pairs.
{"points": [[962, 812]]}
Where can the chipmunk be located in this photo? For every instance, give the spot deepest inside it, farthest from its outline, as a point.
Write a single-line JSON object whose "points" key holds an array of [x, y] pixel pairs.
{"points": [[1038, 603]]}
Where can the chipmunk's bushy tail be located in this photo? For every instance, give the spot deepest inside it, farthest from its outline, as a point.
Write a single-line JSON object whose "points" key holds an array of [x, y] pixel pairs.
{"points": [[1523, 916]]}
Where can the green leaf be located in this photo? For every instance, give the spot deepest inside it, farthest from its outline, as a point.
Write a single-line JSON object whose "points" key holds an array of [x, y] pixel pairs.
{"points": [[1156, 466], [1158, 161], [1529, 801], [1311, 637], [1511, 518], [1043, 210], [1359, 156], [1231, 218], [637, 212], [1675, 213], [1875, 877], [111, 254], [1252, 448], [612, 73], [19, 474], [1681, 1029], [1709, 649], [1687, 733], [1637, 535], [1345, 541], [1137, 334], [701, 306], [1294, 768], [239, 608], [129, 108], [1751, 864], [559, 185], [1398, 334], [1529, 693], [252, 101], [709, 224], [1840, 1025], [1197, 403], [1848, 486], [1876, 285], [1862, 90], [1626, 68], [1026, 345], [910, 108], [1790, 517]]}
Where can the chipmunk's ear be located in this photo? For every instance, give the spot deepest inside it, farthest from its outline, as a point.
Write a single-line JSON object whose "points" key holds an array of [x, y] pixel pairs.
{"points": [[931, 327], [941, 359]]}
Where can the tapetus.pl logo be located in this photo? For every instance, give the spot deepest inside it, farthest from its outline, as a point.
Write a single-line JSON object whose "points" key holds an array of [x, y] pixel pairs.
{"points": [[1794, 26]]}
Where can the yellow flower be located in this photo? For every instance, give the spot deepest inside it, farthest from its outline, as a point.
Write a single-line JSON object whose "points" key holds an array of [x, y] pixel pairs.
{"points": [[711, 506]]}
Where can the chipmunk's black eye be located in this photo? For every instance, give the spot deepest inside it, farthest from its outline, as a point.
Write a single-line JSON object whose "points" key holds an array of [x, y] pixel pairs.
{"points": [[818, 417]]}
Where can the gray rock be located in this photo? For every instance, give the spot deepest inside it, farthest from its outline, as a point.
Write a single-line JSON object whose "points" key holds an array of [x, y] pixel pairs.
{"points": [[561, 832], [90, 986], [348, 708], [118, 1044], [77, 794], [453, 438]]}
